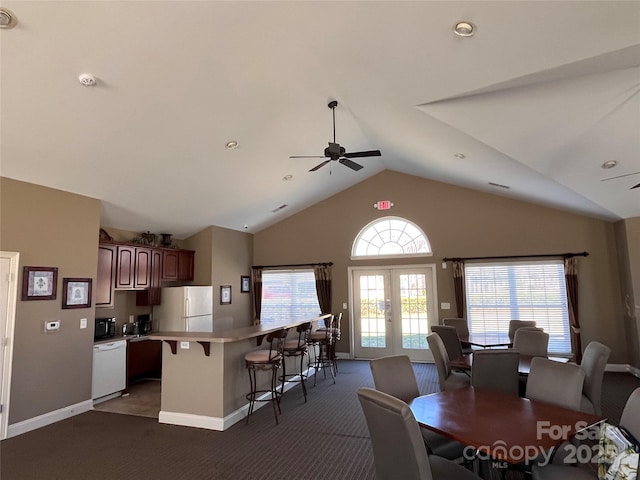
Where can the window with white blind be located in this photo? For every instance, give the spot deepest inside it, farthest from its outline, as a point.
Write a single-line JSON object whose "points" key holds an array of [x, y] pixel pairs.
{"points": [[536, 290], [288, 295]]}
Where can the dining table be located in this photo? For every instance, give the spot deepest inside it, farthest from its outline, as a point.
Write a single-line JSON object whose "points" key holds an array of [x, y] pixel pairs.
{"points": [[487, 340], [465, 363], [500, 425]]}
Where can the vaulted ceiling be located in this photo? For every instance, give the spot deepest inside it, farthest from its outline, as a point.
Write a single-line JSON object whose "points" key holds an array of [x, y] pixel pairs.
{"points": [[536, 100]]}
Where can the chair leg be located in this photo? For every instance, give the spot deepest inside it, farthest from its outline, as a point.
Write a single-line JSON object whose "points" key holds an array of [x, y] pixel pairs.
{"points": [[303, 377]]}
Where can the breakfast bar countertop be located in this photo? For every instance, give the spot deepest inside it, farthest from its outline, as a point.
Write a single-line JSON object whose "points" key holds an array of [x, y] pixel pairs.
{"points": [[232, 334]]}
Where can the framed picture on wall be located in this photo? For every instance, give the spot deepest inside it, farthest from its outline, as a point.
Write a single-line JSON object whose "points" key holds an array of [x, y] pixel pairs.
{"points": [[39, 283], [76, 293], [225, 295], [245, 284]]}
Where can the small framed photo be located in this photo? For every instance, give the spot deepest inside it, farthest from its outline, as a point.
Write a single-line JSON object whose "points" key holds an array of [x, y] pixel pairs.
{"points": [[245, 284], [76, 293], [39, 283], [225, 294]]}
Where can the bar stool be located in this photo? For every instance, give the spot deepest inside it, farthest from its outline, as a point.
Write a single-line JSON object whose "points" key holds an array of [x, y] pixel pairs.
{"points": [[268, 360], [296, 348], [323, 340]]}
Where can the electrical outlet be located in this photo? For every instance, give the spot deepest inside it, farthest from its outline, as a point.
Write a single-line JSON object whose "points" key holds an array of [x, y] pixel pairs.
{"points": [[445, 306], [83, 323], [344, 306], [130, 318], [184, 345], [53, 326]]}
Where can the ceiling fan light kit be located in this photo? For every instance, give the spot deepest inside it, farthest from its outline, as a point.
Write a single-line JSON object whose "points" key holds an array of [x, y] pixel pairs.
{"points": [[336, 152]]}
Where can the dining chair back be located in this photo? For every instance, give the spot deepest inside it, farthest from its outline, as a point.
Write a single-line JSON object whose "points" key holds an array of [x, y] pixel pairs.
{"points": [[530, 342], [594, 361], [398, 449], [555, 382], [514, 325], [462, 327], [451, 340], [394, 375], [630, 418], [496, 369], [447, 379]]}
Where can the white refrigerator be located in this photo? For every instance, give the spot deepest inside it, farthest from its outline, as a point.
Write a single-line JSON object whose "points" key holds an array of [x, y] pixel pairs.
{"points": [[185, 309]]}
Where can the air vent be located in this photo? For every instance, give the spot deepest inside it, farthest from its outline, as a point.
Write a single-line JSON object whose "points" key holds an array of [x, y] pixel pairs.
{"points": [[279, 208], [506, 187]]}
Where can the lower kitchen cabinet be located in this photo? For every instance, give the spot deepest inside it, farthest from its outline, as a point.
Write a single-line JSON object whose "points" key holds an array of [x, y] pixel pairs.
{"points": [[144, 359]]}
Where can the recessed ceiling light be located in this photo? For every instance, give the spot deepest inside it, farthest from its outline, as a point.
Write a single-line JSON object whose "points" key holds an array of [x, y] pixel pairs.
{"points": [[464, 29], [7, 18], [286, 178], [231, 144], [609, 164], [460, 155]]}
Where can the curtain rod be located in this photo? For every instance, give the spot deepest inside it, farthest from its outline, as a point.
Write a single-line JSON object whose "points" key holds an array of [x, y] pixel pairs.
{"points": [[326, 264], [563, 255]]}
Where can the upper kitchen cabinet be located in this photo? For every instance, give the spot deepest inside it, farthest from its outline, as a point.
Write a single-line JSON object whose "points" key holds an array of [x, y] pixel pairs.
{"points": [[152, 295], [106, 275], [177, 265], [133, 267]]}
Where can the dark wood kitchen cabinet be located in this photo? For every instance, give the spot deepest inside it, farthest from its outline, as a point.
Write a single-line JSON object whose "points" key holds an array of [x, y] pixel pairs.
{"points": [[152, 295], [133, 267], [105, 279], [144, 359], [178, 265]]}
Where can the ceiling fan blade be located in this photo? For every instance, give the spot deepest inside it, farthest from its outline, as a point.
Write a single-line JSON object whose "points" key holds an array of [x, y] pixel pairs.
{"points": [[370, 153], [319, 165], [620, 176], [635, 186], [348, 163], [306, 156]]}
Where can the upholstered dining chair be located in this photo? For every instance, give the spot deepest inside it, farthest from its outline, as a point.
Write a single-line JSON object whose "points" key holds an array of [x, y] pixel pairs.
{"points": [[462, 327], [398, 449], [630, 420], [531, 342], [555, 382], [394, 375], [447, 379], [514, 325], [451, 340], [594, 361], [496, 369]]}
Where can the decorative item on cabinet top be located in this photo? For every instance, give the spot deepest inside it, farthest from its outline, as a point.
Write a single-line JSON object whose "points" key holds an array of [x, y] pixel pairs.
{"points": [[145, 238]]}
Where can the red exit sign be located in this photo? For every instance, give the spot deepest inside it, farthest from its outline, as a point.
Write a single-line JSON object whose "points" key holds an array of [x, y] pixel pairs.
{"points": [[383, 204]]}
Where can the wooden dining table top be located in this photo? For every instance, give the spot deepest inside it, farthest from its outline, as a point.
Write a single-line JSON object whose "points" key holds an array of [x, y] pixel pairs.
{"points": [[502, 425], [487, 340], [524, 362]]}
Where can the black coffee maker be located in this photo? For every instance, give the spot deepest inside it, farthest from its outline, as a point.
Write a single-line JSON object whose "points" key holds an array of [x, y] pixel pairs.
{"points": [[144, 324]]}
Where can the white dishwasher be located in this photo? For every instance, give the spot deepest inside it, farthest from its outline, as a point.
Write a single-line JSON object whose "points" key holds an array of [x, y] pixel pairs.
{"points": [[109, 368]]}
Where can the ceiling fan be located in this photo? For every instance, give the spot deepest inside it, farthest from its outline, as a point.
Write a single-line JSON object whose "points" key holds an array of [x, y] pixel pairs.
{"points": [[337, 152], [625, 175]]}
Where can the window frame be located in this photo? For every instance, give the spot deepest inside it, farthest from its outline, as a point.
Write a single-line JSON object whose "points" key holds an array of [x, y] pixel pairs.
{"points": [[377, 221]]}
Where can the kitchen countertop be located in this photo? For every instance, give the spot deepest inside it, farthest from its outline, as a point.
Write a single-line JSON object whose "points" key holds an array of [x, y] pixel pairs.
{"points": [[128, 338]]}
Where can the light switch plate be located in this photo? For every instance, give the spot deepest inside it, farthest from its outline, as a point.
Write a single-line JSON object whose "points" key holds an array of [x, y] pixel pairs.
{"points": [[83, 323], [445, 306]]}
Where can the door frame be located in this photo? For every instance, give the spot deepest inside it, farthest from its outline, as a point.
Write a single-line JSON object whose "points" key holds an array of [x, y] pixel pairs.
{"points": [[7, 336], [350, 270]]}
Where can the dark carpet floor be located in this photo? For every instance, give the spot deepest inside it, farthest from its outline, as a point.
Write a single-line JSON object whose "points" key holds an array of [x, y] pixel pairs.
{"points": [[325, 438]]}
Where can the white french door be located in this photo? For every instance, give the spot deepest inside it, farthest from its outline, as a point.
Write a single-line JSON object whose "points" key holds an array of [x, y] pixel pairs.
{"points": [[392, 311], [8, 297]]}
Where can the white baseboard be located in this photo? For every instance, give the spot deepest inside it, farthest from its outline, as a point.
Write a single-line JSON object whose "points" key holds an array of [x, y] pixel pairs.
{"points": [[48, 418], [218, 423], [623, 368]]}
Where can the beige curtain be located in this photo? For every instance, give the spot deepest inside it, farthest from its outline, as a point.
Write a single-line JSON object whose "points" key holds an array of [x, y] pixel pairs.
{"points": [[458, 283], [323, 287], [256, 280], [571, 278]]}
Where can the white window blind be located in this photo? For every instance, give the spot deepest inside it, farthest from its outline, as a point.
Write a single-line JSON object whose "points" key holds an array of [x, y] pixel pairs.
{"points": [[499, 292], [288, 295]]}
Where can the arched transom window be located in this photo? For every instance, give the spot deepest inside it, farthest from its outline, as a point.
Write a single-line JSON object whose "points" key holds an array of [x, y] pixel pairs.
{"points": [[389, 237]]}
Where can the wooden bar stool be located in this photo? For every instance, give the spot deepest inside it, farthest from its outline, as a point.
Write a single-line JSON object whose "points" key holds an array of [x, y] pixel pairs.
{"points": [[267, 360], [296, 348]]}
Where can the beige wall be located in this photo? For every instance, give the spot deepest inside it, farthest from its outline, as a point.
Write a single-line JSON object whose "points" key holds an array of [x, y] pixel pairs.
{"points": [[222, 257], [459, 223], [53, 229], [628, 235]]}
